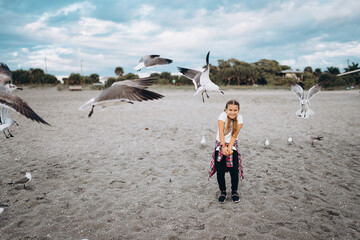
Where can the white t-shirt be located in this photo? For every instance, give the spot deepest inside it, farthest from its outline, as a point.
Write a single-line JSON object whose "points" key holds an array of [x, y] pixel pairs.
{"points": [[223, 117]]}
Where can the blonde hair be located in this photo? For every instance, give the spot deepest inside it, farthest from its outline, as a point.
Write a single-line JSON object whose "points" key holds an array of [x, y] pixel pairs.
{"points": [[231, 123]]}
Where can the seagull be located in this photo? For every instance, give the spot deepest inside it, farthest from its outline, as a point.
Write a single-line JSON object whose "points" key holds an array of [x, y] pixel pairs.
{"points": [[123, 91], [305, 111], [315, 139], [6, 122], [203, 141], [201, 80], [267, 143], [22, 180], [290, 140], [12, 87], [149, 61], [8, 100]]}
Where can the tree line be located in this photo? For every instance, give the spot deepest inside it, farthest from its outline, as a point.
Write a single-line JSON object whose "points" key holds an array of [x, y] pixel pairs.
{"points": [[227, 72]]}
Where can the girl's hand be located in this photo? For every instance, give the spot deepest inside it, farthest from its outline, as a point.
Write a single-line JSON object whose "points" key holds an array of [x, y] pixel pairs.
{"points": [[225, 151]]}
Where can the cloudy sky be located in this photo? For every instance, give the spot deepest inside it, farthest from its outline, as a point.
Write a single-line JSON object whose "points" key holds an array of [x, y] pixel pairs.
{"points": [[99, 35]]}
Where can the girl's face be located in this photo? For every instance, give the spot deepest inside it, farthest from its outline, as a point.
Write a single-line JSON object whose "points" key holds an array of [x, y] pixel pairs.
{"points": [[232, 111]]}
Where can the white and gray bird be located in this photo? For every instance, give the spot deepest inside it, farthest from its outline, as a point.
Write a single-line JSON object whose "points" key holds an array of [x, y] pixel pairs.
{"points": [[8, 100], [23, 180], [6, 122], [267, 143], [305, 111], [149, 61], [315, 139], [123, 92], [201, 80], [203, 141], [290, 140]]}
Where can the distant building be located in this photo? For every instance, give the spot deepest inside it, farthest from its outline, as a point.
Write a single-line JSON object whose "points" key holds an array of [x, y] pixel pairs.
{"points": [[298, 75], [61, 78]]}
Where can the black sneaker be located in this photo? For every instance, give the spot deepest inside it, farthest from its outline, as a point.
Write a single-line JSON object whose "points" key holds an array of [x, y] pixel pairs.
{"points": [[222, 197], [235, 197]]}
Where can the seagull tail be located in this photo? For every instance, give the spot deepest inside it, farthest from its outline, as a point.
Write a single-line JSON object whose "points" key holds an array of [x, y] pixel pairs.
{"points": [[11, 183], [87, 104]]}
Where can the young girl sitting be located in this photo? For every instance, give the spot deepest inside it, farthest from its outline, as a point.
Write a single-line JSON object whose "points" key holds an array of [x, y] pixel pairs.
{"points": [[226, 155]]}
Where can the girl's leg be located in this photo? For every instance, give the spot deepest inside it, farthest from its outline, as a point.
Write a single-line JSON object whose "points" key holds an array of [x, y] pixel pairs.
{"points": [[234, 172], [220, 172]]}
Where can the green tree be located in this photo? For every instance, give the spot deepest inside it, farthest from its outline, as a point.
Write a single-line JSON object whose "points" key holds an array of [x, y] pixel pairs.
{"points": [[308, 69], [75, 79], [119, 71], [333, 70], [109, 82], [21, 77], [94, 78], [353, 67], [309, 80], [317, 73]]}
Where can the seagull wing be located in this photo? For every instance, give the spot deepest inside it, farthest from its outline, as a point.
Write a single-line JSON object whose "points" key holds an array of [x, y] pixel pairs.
{"points": [[314, 90], [20, 106], [204, 79], [140, 83], [126, 91], [191, 74], [157, 61], [297, 90], [5, 74], [22, 180]]}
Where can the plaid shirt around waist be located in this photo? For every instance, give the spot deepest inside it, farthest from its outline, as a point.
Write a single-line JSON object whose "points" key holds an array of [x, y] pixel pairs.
{"points": [[229, 159]]}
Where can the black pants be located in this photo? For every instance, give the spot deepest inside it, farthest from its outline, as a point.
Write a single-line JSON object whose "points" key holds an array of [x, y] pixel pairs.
{"points": [[234, 172]]}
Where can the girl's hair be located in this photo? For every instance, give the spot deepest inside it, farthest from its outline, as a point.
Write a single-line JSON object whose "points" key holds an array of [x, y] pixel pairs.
{"points": [[231, 123]]}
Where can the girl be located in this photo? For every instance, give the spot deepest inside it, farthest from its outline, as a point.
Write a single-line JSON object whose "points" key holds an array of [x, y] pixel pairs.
{"points": [[226, 156]]}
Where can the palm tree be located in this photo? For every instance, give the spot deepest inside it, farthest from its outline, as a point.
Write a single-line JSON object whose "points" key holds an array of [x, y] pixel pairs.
{"points": [[119, 71], [354, 66]]}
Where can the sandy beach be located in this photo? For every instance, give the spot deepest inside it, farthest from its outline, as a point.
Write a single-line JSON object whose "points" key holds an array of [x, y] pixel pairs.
{"points": [[139, 172]]}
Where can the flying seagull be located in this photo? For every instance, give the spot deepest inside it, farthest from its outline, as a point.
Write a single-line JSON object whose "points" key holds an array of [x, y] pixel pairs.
{"points": [[123, 91], [315, 139], [149, 61], [201, 80], [22, 180], [305, 111], [8, 100], [6, 122]]}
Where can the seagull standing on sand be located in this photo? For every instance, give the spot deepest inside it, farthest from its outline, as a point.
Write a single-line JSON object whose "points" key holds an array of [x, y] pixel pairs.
{"points": [[290, 140], [6, 122], [305, 111], [203, 141], [201, 80], [8, 100], [267, 143], [22, 180], [149, 61], [123, 91]]}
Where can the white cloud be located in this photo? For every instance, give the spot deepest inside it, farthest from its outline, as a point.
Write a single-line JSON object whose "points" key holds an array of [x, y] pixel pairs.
{"points": [[144, 10], [293, 32]]}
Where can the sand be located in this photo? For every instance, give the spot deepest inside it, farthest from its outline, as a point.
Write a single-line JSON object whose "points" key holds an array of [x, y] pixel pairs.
{"points": [[139, 172]]}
